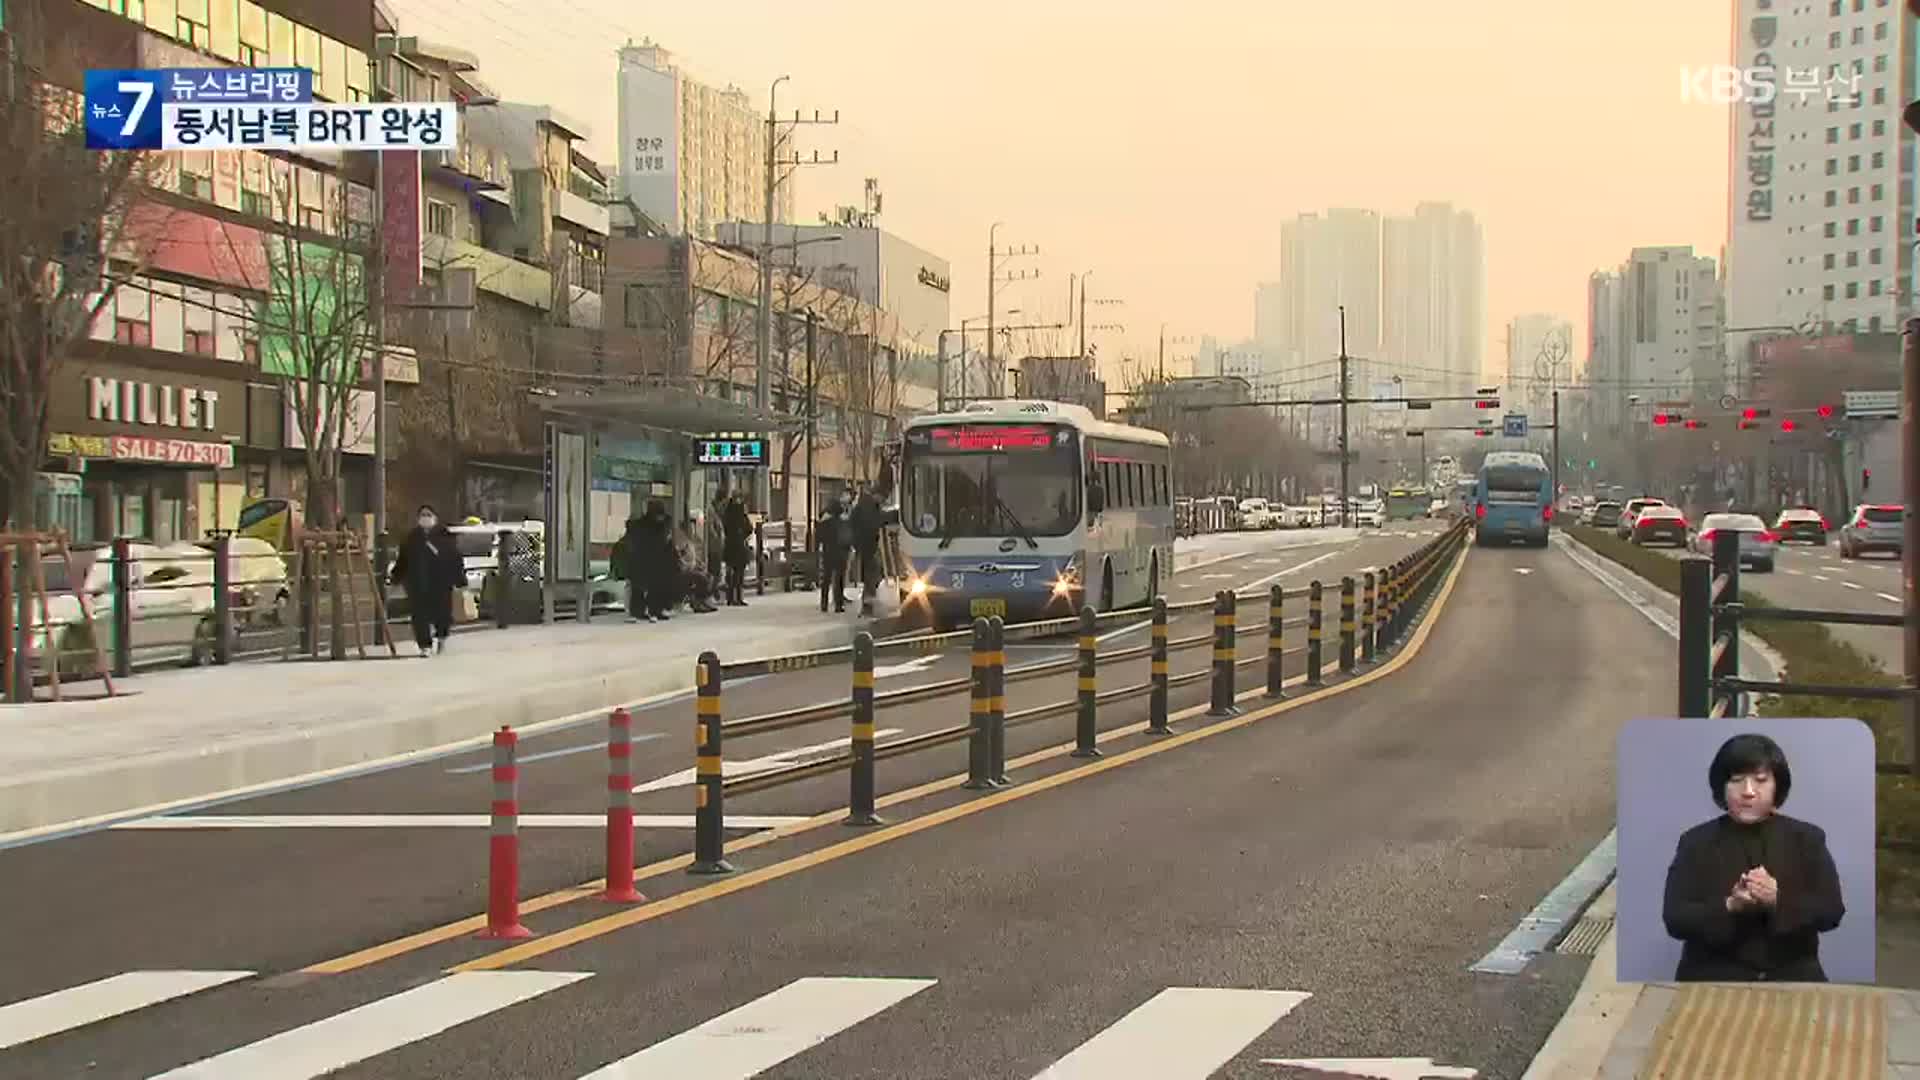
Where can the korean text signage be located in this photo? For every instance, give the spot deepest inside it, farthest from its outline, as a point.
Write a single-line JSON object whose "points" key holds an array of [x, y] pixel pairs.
{"points": [[1873, 404], [992, 438], [1756, 117], [148, 110], [934, 280], [742, 453], [213, 455]]}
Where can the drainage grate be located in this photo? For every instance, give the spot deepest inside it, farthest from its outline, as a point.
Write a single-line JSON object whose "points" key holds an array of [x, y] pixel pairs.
{"points": [[1585, 937]]}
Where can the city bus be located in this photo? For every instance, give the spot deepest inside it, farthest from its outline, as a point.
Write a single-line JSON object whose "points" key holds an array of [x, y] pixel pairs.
{"points": [[1406, 504], [1030, 509], [1513, 498]]}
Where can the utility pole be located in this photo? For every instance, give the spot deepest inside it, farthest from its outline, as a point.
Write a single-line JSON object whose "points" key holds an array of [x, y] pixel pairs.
{"points": [[1346, 508], [1910, 469], [763, 329], [994, 281], [377, 308], [1556, 445]]}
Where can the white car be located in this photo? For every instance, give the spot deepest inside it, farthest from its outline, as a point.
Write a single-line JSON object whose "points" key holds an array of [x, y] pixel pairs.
{"points": [[1370, 515]]}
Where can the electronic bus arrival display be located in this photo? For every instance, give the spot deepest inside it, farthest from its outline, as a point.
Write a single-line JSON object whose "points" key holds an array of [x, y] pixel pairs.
{"points": [[991, 438]]}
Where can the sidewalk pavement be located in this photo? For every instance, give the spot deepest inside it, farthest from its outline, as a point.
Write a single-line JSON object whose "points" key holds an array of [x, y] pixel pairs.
{"points": [[1711, 1031], [179, 735]]}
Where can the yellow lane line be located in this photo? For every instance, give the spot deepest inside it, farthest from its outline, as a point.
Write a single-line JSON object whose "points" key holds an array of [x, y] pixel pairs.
{"points": [[647, 912]]}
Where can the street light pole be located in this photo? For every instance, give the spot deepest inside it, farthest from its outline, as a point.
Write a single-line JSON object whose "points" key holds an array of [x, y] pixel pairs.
{"points": [[1346, 509], [763, 322]]}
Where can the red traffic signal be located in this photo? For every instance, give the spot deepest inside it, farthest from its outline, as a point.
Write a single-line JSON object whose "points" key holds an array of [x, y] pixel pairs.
{"points": [[1487, 403], [1786, 425], [1695, 424], [1745, 424], [1481, 433], [1749, 414], [1661, 419], [1825, 411]]}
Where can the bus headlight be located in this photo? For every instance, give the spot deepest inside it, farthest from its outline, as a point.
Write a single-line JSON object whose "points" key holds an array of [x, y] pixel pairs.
{"points": [[1068, 579], [917, 587]]}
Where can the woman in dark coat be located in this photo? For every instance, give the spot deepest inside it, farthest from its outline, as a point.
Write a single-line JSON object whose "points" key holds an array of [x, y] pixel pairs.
{"points": [[737, 530], [652, 564], [1750, 892], [430, 567]]}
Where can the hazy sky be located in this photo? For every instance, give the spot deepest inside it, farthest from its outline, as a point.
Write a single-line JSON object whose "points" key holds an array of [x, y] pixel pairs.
{"points": [[1162, 145]]}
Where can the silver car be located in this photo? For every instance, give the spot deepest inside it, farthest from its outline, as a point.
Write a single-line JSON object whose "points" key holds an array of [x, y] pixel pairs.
{"points": [[1757, 542], [1874, 528]]}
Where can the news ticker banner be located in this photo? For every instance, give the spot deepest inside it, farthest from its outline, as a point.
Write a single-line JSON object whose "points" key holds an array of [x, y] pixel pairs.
{"points": [[250, 108]]}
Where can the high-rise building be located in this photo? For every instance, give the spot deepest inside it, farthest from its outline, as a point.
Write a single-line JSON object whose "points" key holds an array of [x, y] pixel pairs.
{"points": [[1326, 263], [1820, 225], [691, 155], [1434, 323], [1656, 333]]}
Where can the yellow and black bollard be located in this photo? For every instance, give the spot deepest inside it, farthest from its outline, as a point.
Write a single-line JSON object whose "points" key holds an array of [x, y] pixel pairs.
{"points": [[1157, 696], [709, 821], [980, 711], [1276, 642], [1086, 719], [1402, 596], [860, 793], [1316, 606], [997, 709], [1224, 606], [1346, 625], [1368, 613]]}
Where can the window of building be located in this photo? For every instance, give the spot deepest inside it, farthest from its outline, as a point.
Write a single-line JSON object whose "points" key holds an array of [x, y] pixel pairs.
{"points": [[1826, 292], [191, 24], [199, 342], [1873, 287], [1879, 159], [1859, 35], [1880, 31], [1873, 256], [1880, 63], [1858, 4], [1834, 9], [1827, 261], [1833, 197], [132, 331], [1833, 40], [1853, 226], [1877, 192], [1853, 131], [1879, 127], [1853, 290], [1879, 95], [1853, 258], [1833, 166], [1829, 230], [1833, 135], [1853, 162], [1853, 196], [1873, 325], [1876, 224], [439, 218]]}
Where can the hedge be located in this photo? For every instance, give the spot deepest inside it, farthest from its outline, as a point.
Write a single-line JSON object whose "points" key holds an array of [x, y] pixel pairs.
{"points": [[1813, 655]]}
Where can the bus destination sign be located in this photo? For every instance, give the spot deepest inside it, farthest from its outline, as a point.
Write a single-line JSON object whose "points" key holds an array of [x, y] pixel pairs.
{"points": [[992, 437]]}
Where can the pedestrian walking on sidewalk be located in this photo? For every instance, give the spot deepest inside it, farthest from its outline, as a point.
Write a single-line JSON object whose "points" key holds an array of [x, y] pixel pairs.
{"points": [[836, 537], [867, 521], [429, 567], [737, 532], [1750, 892]]}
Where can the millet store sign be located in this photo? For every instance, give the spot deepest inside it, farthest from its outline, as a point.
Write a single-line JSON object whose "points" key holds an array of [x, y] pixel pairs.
{"points": [[124, 401]]}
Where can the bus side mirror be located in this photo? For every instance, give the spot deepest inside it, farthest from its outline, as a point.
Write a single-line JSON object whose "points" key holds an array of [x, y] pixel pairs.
{"points": [[1096, 500]]}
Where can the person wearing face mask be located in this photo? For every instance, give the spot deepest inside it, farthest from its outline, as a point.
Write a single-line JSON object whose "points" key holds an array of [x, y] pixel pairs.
{"points": [[1750, 892], [430, 567]]}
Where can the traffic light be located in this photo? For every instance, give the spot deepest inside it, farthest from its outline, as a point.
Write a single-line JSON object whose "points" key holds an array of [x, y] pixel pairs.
{"points": [[1415, 433], [1787, 424], [1825, 411], [1661, 419], [1755, 414], [1746, 422], [1592, 464], [1481, 433], [1694, 425], [1486, 403], [1866, 479]]}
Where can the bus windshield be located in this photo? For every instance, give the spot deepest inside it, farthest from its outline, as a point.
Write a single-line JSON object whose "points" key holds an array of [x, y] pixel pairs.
{"points": [[979, 480], [1508, 483]]}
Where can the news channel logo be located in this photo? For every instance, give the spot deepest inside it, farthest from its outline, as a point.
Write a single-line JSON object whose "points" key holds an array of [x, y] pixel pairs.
{"points": [[251, 108], [126, 108], [1729, 84]]}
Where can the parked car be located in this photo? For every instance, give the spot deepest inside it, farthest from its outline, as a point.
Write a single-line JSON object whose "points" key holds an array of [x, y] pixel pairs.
{"points": [[1802, 523], [1874, 527], [1631, 513], [168, 587], [1659, 523], [1757, 542]]}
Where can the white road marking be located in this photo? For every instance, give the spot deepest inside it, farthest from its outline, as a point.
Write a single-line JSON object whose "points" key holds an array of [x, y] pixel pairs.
{"points": [[439, 821], [1796, 573], [1291, 569], [90, 1003], [645, 736], [1215, 577], [1523, 570], [766, 1031], [1849, 584], [756, 765], [1404, 1068], [340, 1040], [910, 667], [1181, 1033], [1888, 597], [1819, 577]]}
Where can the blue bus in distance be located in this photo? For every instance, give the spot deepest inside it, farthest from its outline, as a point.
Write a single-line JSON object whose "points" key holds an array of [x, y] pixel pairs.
{"points": [[1513, 499]]}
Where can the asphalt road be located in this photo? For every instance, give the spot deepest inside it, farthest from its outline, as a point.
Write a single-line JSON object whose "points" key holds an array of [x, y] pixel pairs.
{"points": [[1361, 850], [280, 898], [1817, 577]]}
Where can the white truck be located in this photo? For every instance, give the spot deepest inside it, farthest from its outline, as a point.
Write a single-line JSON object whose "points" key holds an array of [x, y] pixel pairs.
{"points": [[1256, 514]]}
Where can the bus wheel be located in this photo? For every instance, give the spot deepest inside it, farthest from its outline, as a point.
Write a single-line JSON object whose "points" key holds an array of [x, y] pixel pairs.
{"points": [[1106, 588], [1153, 581]]}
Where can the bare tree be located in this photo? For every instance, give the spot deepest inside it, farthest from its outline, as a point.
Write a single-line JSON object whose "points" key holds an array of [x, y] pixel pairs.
{"points": [[859, 378], [69, 234]]}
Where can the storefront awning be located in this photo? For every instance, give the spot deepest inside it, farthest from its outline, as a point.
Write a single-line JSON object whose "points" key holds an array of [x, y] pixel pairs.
{"points": [[666, 408]]}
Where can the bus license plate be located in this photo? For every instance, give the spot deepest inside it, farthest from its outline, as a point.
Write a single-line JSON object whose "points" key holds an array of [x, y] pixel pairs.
{"points": [[987, 609]]}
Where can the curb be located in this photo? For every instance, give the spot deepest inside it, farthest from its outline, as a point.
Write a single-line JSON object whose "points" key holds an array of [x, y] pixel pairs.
{"points": [[1578, 1047], [78, 797]]}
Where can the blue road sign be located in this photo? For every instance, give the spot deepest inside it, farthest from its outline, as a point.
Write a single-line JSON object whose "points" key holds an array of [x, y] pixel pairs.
{"points": [[1514, 426], [123, 106]]}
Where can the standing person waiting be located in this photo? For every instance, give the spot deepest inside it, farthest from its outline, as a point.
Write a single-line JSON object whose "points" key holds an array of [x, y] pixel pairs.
{"points": [[835, 537], [737, 529]]}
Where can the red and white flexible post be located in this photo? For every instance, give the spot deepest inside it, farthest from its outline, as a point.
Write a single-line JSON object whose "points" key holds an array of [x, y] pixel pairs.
{"points": [[503, 842], [620, 888]]}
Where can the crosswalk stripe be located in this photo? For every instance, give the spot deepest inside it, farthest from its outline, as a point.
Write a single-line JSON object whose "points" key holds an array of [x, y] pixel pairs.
{"points": [[376, 1027], [1181, 1033], [78, 1006], [765, 1031]]}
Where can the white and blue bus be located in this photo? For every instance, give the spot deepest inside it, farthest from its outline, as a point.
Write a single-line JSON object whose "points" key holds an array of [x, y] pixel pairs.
{"points": [[1513, 498], [1030, 509]]}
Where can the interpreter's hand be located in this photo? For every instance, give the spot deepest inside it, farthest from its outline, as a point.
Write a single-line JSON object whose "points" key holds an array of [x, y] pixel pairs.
{"points": [[1762, 887]]}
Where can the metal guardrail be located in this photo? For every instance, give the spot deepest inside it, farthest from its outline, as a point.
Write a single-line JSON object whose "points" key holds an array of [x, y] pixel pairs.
{"points": [[1711, 614], [1377, 611]]}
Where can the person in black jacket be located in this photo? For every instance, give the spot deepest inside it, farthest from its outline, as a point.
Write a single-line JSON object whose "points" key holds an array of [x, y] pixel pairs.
{"points": [[867, 520], [652, 564], [737, 530], [835, 537], [429, 567], [1750, 892]]}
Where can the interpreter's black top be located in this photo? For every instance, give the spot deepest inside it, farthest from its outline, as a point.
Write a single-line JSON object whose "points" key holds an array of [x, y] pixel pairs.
{"points": [[1782, 944]]}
